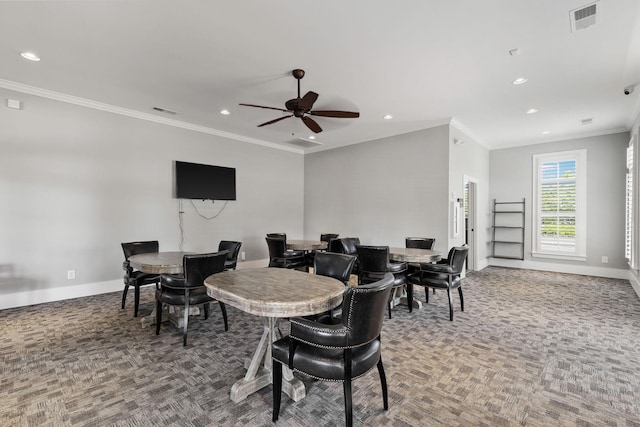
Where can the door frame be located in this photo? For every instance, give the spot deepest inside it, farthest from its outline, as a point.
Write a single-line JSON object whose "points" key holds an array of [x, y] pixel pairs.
{"points": [[471, 185]]}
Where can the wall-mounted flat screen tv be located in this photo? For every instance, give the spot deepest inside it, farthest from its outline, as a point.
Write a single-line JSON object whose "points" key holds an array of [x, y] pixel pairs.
{"points": [[206, 182]]}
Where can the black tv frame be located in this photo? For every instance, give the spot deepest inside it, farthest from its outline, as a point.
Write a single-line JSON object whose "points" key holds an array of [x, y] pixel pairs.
{"points": [[204, 182]]}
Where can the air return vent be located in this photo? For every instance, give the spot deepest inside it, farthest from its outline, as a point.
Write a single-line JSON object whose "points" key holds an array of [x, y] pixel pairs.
{"points": [[584, 17], [304, 143]]}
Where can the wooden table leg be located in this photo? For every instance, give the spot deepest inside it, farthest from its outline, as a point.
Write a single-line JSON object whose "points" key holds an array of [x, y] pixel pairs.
{"points": [[258, 376]]}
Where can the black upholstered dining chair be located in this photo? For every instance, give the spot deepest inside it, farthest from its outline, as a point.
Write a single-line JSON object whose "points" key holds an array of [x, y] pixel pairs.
{"points": [[232, 248], [420, 242], [280, 257], [349, 247], [189, 289], [327, 237], [374, 263], [443, 275], [338, 266], [137, 278], [337, 352]]}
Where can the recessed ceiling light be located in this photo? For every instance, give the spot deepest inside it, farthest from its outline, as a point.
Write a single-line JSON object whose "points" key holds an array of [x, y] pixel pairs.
{"points": [[532, 110], [546, 132], [388, 117], [312, 137], [225, 112], [30, 56], [519, 81]]}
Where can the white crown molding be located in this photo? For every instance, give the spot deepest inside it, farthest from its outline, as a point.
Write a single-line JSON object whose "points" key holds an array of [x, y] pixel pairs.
{"points": [[524, 143], [88, 103]]}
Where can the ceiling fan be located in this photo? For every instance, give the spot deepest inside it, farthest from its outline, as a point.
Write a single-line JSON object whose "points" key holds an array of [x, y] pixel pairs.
{"points": [[302, 108]]}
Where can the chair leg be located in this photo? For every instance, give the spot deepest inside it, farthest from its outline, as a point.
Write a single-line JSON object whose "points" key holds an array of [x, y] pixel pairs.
{"points": [[383, 382], [410, 296], [223, 309], [389, 305], [348, 406], [137, 301], [206, 310], [450, 304], [277, 389], [158, 316], [185, 322], [124, 295], [461, 299], [426, 294], [346, 384]]}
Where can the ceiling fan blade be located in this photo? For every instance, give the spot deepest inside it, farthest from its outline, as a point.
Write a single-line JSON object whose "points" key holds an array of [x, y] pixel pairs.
{"points": [[338, 114], [262, 106], [306, 102], [275, 120], [311, 124]]}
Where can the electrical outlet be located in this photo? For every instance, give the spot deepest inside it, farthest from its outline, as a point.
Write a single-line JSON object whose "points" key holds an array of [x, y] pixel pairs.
{"points": [[605, 259], [242, 256], [71, 274]]}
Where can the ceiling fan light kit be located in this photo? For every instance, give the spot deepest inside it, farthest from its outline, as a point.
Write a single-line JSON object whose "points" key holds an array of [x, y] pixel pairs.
{"points": [[301, 107]]}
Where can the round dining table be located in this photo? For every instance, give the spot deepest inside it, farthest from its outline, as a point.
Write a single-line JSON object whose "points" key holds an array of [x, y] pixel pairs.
{"points": [[162, 263], [306, 245], [272, 293], [411, 256]]}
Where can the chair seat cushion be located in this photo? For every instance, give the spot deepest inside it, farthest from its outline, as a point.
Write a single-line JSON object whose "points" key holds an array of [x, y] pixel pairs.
{"points": [[173, 296], [434, 280], [327, 363]]}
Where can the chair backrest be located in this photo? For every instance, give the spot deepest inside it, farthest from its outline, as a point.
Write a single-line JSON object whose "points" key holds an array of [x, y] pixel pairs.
{"points": [[326, 237], [349, 245], [198, 267], [338, 266], [419, 242], [373, 259], [277, 247], [135, 248], [363, 309], [232, 247], [335, 246], [278, 235], [457, 256]]}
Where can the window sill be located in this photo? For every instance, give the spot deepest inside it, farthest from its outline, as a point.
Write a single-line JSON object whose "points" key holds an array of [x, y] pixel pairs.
{"points": [[566, 257]]}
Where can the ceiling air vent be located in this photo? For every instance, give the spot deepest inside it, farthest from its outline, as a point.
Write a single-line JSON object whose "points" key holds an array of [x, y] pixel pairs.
{"points": [[583, 17], [304, 143]]}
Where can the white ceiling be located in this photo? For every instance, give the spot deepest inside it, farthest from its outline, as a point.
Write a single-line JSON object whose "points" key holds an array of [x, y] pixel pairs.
{"points": [[423, 61]]}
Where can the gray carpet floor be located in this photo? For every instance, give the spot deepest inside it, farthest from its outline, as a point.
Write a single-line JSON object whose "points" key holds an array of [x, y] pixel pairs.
{"points": [[531, 349]]}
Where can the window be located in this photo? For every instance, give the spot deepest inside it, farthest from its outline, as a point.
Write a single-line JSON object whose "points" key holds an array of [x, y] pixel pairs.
{"points": [[560, 205], [631, 205], [628, 225]]}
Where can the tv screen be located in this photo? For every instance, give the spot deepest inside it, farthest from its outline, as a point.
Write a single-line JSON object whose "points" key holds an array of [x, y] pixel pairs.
{"points": [[196, 181]]}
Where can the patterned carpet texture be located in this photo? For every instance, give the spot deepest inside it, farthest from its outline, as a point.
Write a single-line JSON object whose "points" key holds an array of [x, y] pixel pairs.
{"points": [[531, 349]]}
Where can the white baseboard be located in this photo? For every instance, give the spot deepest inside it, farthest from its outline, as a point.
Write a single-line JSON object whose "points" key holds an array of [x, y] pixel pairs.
{"points": [[612, 273], [39, 296], [635, 282]]}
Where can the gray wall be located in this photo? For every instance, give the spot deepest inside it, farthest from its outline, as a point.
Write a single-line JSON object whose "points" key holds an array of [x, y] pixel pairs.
{"points": [[511, 178], [381, 191], [76, 182]]}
